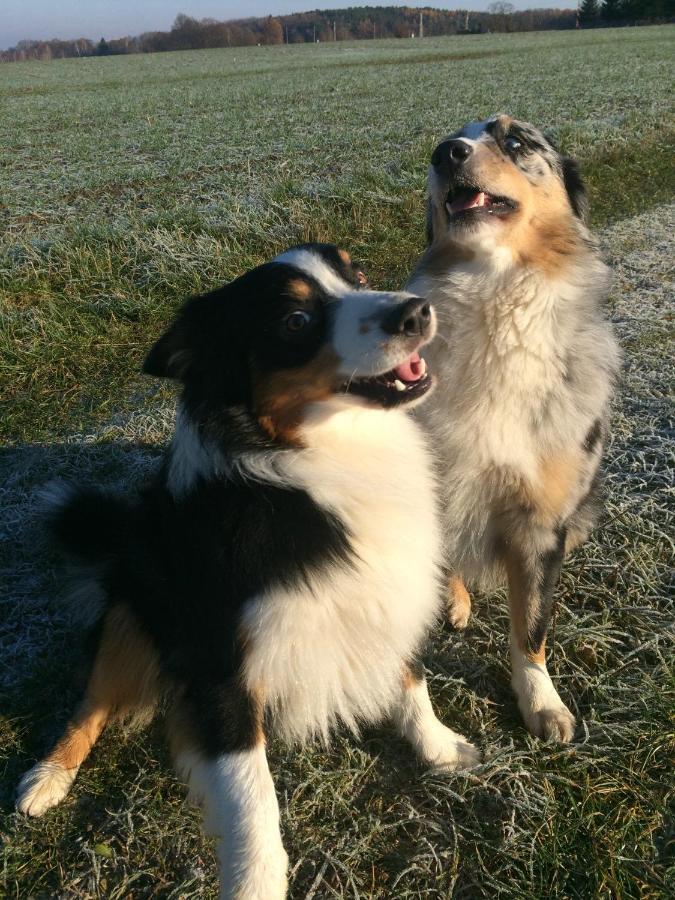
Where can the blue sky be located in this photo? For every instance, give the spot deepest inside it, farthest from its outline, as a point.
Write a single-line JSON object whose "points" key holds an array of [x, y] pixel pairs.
{"points": [[115, 18]]}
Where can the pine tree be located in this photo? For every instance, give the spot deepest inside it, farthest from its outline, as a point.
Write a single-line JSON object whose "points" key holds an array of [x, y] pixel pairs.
{"points": [[589, 12], [612, 10]]}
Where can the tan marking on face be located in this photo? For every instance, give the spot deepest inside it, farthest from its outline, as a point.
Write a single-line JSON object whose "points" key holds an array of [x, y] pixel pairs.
{"points": [[124, 678], [345, 257], [505, 122], [280, 398], [541, 233], [299, 289]]}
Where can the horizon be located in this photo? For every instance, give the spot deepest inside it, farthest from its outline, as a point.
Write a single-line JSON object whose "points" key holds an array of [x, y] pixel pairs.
{"points": [[94, 19]]}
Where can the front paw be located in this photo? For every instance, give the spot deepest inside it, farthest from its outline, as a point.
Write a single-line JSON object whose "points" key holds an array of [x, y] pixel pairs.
{"points": [[544, 713], [260, 873], [446, 751], [553, 724], [45, 785], [459, 603]]}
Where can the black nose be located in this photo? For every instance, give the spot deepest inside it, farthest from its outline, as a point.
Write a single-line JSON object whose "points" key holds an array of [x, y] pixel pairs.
{"points": [[454, 152], [412, 318]]}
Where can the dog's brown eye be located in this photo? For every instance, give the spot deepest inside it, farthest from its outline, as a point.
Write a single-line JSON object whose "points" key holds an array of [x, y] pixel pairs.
{"points": [[297, 320], [512, 144]]}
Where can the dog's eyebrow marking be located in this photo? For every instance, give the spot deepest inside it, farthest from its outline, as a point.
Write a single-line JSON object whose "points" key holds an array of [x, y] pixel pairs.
{"points": [[314, 266], [299, 289], [345, 257]]}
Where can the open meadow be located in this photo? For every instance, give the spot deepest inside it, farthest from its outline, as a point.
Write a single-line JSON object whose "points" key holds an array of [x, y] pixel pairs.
{"points": [[129, 183]]}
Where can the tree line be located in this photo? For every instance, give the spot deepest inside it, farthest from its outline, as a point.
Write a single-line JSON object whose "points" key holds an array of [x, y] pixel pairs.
{"points": [[356, 23]]}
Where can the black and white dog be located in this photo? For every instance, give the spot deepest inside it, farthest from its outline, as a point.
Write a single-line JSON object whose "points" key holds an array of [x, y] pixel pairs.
{"points": [[283, 570], [526, 367]]}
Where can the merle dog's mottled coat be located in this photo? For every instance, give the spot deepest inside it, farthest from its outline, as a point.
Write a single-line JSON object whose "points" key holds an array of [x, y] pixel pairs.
{"points": [[526, 364]]}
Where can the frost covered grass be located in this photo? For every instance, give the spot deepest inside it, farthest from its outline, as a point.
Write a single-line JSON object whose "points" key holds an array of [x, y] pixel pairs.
{"points": [[133, 182]]}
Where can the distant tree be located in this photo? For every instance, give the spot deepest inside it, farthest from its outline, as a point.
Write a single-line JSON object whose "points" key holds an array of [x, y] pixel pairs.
{"points": [[612, 10], [273, 33], [102, 48], [501, 9], [503, 13], [589, 12]]}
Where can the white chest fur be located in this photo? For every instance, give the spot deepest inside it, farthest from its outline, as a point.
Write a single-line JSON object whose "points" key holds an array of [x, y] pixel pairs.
{"points": [[333, 650], [525, 367]]}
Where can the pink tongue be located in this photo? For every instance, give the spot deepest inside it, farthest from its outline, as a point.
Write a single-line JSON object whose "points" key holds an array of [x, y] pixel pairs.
{"points": [[468, 202], [411, 369]]}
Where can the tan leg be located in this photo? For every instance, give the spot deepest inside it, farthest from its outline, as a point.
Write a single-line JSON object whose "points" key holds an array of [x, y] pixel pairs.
{"points": [[532, 579], [459, 602], [123, 678]]}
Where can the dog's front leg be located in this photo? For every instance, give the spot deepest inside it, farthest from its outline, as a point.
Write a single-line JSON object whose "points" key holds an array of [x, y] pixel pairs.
{"points": [[533, 576], [436, 744], [222, 755]]}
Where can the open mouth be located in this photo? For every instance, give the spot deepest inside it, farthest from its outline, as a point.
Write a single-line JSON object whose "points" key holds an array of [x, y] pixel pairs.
{"points": [[406, 382], [469, 202]]}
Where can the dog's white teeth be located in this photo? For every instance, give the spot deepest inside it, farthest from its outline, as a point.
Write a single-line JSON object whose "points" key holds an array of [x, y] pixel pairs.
{"points": [[423, 366], [399, 385], [448, 207]]}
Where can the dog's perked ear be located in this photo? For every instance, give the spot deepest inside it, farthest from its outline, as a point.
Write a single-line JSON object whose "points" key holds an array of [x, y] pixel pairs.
{"points": [[575, 187], [204, 347]]}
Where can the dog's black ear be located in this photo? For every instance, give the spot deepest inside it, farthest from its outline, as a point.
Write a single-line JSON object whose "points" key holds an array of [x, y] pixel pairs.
{"points": [[575, 187], [188, 342], [170, 356], [206, 348]]}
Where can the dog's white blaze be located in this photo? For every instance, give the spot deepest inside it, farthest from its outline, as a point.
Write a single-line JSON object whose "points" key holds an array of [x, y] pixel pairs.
{"points": [[333, 650], [316, 267], [358, 339], [241, 811], [474, 131]]}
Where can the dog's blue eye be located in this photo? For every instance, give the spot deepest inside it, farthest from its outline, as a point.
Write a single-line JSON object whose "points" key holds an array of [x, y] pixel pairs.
{"points": [[297, 320], [512, 144]]}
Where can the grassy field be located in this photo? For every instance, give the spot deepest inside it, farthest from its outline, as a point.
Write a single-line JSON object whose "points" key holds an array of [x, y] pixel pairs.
{"points": [[127, 184]]}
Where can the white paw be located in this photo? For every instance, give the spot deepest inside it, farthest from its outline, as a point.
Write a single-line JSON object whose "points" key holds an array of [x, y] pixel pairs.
{"points": [[553, 724], [446, 751], [458, 615], [42, 787], [544, 713], [263, 878]]}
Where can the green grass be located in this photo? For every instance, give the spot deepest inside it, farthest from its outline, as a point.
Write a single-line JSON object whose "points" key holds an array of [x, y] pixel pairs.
{"points": [[129, 183]]}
